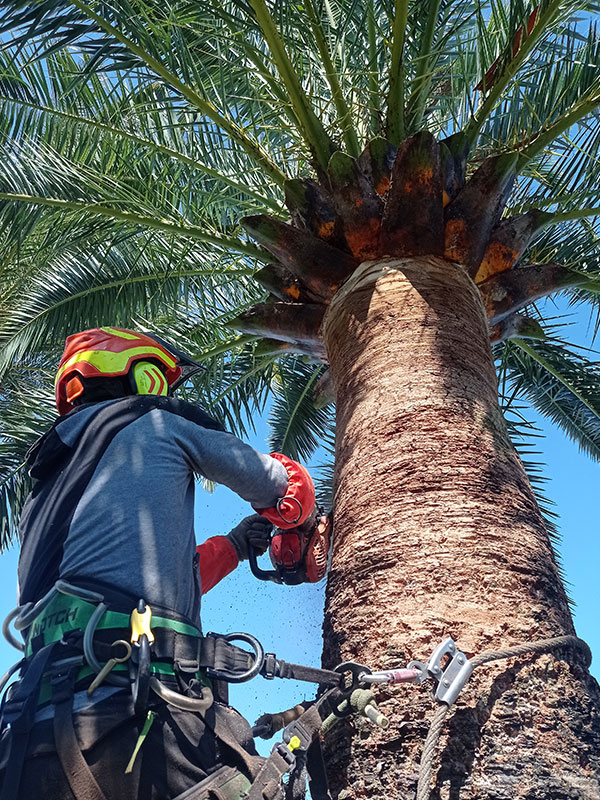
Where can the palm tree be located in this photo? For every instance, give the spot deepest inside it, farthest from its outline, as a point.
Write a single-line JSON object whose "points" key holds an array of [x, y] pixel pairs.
{"points": [[410, 178]]}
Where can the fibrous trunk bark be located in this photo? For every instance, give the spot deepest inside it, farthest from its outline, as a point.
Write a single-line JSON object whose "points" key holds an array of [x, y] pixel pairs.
{"points": [[437, 534]]}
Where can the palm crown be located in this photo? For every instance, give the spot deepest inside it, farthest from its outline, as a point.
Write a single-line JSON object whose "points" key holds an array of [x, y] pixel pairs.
{"points": [[149, 149]]}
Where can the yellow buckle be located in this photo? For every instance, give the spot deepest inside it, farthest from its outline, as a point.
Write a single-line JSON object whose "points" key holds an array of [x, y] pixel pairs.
{"points": [[140, 624]]}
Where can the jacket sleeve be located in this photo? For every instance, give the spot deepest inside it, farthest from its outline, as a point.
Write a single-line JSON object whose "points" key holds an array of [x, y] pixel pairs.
{"points": [[223, 458], [216, 559]]}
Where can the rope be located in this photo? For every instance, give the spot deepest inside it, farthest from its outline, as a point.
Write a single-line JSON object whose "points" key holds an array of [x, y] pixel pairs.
{"points": [[429, 748], [541, 646], [437, 723]]}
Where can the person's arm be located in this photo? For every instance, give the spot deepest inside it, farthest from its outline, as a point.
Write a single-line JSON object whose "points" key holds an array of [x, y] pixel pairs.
{"points": [[223, 458], [216, 559], [279, 488], [220, 555]]}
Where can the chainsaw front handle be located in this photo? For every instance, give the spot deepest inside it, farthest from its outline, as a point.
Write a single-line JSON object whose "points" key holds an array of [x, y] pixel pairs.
{"points": [[261, 574]]}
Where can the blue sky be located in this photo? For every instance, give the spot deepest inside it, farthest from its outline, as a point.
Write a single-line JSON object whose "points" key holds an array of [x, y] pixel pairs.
{"points": [[288, 619]]}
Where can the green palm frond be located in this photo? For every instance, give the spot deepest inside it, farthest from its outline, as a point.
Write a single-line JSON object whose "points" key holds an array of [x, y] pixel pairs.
{"points": [[526, 439], [26, 412], [298, 427], [119, 278], [561, 384]]}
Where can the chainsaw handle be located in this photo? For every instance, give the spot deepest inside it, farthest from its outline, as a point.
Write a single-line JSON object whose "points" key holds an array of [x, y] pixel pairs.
{"points": [[261, 574]]}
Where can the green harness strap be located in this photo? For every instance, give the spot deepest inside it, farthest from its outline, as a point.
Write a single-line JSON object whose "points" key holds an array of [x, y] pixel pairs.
{"points": [[65, 613]]}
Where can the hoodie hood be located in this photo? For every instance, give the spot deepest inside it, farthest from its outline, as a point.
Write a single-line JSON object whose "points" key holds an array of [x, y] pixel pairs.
{"points": [[51, 450]]}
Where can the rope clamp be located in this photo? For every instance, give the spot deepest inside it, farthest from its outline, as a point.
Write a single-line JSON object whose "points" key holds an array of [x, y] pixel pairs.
{"points": [[449, 667]]}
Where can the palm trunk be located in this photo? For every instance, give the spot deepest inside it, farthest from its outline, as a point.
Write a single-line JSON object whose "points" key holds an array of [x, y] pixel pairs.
{"points": [[437, 534]]}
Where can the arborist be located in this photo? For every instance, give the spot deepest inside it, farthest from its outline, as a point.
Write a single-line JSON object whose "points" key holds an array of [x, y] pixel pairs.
{"points": [[113, 699]]}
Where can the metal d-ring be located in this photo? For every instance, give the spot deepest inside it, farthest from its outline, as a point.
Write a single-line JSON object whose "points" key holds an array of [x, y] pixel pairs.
{"points": [[240, 677]]}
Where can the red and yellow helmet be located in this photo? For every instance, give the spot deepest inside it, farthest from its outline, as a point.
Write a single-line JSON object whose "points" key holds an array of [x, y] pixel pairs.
{"points": [[107, 352]]}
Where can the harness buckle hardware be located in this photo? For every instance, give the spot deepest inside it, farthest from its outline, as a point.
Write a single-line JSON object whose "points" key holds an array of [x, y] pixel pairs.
{"points": [[296, 739], [269, 669], [256, 662], [140, 623], [285, 752], [358, 673]]}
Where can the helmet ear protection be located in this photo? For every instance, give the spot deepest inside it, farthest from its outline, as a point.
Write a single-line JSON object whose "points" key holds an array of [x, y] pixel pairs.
{"points": [[148, 378]]}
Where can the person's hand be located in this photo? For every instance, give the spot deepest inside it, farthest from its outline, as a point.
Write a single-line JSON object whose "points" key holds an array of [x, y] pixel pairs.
{"points": [[253, 530]]}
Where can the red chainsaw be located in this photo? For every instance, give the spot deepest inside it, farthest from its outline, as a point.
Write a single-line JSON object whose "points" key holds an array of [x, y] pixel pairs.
{"points": [[298, 555]]}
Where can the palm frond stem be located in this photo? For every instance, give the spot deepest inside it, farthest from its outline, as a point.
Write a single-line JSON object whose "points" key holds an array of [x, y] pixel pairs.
{"points": [[374, 88], [395, 123], [263, 70], [208, 109], [421, 82], [224, 347], [576, 213], [185, 231], [544, 19], [542, 140], [311, 127], [342, 108]]}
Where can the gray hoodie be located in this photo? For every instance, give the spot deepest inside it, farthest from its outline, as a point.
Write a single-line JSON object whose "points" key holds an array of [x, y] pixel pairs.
{"points": [[132, 526]]}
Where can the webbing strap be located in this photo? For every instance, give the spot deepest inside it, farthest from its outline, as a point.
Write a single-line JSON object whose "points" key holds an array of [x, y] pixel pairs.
{"points": [[267, 784], [226, 784], [66, 612], [317, 773], [23, 705], [78, 774], [282, 669], [221, 655]]}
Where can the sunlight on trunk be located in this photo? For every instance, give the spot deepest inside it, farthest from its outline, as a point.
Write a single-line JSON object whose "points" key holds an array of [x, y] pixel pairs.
{"points": [[437, 534]]}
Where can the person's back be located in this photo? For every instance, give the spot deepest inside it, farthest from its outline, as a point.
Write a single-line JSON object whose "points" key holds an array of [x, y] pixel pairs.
{"points": [[132, 525], [112, 513]]}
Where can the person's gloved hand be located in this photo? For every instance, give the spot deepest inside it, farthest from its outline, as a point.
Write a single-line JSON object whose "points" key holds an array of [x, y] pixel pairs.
{"points": [[254, 530]]}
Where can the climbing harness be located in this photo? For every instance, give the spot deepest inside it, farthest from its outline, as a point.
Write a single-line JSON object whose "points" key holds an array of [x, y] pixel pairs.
{"points": [[71, 628], [297, 556], [68, 634]]}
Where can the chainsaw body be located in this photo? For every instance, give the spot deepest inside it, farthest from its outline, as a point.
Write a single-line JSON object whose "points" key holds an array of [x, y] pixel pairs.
{"points": [[298, 555]]}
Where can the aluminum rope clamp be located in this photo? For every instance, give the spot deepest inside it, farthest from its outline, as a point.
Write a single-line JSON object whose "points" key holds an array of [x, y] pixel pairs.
{"points": [[449, 667]]}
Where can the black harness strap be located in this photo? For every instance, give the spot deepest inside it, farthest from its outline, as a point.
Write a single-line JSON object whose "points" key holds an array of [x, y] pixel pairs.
{"points": [[277, 668], [78, 774], [295, 788], [219, 654], [227, 783], [267, 784], [317, 774], [20, 712]]}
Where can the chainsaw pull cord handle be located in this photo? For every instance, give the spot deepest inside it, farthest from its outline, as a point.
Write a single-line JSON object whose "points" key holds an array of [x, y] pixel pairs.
{"points": [[290, 499]]}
